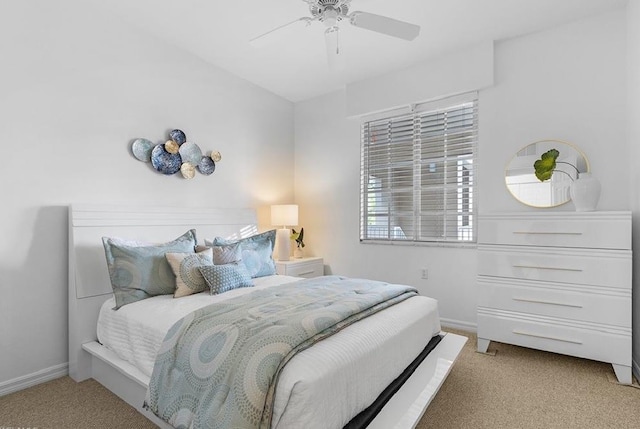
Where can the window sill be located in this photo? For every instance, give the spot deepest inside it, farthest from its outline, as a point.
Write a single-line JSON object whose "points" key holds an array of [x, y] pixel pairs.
{"points": [[461, 245]]}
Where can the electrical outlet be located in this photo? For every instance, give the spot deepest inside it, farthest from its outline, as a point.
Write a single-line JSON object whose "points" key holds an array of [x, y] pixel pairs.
{"points": [[425, 273]]}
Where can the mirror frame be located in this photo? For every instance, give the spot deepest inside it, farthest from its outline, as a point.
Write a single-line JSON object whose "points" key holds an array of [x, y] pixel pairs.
{"points": [[587, 169]]}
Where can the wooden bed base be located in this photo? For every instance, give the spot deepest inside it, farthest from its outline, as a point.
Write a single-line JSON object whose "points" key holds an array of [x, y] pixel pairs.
{"points": [[89, 287]]}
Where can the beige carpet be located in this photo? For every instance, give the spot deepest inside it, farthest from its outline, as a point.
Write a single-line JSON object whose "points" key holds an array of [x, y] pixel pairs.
{"points": [[516, 388], [524, 388]]}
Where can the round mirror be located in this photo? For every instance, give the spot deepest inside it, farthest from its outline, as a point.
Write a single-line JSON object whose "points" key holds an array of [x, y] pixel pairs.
{"points": [[523, 184]]}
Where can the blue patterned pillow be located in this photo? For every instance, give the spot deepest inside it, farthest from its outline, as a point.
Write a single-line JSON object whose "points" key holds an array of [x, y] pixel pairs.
{"points": [[223, 278], [256, 252], [185, 267], [138, 272]]}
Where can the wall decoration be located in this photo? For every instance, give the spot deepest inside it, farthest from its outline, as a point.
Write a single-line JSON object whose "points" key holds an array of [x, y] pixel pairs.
{"points": [[584, 189], [206, 166], [188, 170], [190, 152], [164, 161], [178, 136], [176, 154], [529, 175], [142, 149], [171, 146]]}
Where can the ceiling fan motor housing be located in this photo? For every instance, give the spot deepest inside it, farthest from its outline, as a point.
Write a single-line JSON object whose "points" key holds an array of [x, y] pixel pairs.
{"points": [[329, 11]]}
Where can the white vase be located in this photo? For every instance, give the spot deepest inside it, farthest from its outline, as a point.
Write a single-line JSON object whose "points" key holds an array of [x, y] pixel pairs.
{"points": [[585, 192]]}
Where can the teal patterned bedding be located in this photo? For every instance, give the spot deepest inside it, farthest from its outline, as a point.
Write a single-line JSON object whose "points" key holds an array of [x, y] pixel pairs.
{"points": [[218, 367]]}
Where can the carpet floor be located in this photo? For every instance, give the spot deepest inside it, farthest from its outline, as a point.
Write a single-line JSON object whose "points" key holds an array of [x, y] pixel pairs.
{"points": [[512, 387]]}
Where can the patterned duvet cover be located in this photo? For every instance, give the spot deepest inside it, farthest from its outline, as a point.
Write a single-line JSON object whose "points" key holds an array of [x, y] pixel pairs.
{"points": [[218, 367]]}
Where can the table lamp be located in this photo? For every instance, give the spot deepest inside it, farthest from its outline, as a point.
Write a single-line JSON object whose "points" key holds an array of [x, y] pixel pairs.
{"points": [[284, 215]]}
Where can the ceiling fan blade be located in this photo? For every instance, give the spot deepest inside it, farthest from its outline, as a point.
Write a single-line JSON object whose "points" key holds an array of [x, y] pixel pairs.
{"points": [[384, 25], [279, 33]]}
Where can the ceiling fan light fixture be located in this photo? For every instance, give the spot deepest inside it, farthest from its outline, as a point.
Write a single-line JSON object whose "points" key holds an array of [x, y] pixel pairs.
{"points": [[330, 17]]}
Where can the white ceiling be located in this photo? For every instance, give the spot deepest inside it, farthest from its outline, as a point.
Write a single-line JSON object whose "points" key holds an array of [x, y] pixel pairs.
{"points": [[296, 68]]}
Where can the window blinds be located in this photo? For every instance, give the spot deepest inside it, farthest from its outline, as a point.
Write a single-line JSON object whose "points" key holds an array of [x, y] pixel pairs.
{"points": [[417, 175]]}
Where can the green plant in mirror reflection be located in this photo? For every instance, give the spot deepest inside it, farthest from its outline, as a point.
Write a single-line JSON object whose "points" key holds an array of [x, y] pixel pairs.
{"points": [[546, 165]]}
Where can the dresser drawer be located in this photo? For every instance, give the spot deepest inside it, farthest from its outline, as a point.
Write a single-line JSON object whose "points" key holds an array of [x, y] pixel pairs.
{"points": [[592, 305], [599, 343], [305, 267], [598, 230], [577, 266]]}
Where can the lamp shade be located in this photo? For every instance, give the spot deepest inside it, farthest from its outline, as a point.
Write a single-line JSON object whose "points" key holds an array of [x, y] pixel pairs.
{"points": [[285, 214]]}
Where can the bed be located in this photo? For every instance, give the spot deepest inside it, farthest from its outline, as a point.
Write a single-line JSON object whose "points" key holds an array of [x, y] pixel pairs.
{"points": [[357, 365]]}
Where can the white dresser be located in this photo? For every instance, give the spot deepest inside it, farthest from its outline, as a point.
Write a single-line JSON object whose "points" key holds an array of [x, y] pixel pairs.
{"points": [[557, 281]]}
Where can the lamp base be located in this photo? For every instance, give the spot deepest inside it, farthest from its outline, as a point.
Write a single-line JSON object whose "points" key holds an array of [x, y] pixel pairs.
{"points": [[283, 243]]}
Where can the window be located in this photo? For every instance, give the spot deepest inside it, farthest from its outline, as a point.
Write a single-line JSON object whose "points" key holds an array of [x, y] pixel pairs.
{"points": [[417, 174]]}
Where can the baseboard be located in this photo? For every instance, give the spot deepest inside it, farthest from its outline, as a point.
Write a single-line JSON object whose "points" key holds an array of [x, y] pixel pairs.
{"points": [[457, 324], [38, 377]]}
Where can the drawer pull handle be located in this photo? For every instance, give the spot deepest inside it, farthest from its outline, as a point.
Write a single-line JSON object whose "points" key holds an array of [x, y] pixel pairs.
{"points": [[547, 337], [546, 233], [577, 270], [305, 273], [537, 301]]}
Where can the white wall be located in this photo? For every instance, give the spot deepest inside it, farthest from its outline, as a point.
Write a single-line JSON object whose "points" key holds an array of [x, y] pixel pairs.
{"points": [[566, 83], [76, 88], [457, 72], [633, 139]]}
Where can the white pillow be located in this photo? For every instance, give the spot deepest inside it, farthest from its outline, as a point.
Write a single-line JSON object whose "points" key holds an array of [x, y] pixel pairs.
{"points": [[189, 280]]}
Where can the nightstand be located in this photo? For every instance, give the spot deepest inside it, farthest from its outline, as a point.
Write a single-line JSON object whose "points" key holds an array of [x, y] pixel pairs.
{"points": [[301, 267]]}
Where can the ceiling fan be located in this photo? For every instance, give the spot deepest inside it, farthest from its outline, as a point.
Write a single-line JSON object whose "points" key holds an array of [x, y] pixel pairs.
{"points": [[330, 13]]}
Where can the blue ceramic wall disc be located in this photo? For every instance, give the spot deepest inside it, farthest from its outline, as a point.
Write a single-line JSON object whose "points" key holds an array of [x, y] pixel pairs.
{"points": [[190, 152], [142, 148], [165, 162], [178, 136], [206, 166]]}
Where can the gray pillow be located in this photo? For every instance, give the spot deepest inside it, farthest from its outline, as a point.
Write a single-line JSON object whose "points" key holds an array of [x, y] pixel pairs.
{"points": [[256, 252], [223, 278], [227, 254], [138, 271]]}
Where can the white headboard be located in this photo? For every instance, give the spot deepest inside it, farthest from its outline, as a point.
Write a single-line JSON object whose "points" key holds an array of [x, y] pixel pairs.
{"points": [[89, 284]]}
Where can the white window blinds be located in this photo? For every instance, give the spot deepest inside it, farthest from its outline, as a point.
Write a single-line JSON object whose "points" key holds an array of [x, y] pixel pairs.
{"points": [[417, 175]]}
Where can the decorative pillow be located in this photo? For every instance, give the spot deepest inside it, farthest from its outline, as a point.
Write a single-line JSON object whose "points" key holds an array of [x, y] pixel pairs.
{"points": [[139, 272], [185, 268], [223, 278], [227, 254], [256, 252]]}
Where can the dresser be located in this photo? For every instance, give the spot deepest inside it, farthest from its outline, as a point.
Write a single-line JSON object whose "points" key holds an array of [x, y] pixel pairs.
{"points": [[557, 281], [301, 267]]}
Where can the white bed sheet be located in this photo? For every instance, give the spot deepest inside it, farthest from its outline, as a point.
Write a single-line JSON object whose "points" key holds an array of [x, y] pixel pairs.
{"points": [[322, 387]]}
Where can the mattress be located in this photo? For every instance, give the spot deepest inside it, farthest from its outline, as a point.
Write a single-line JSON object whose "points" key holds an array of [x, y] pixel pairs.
{"points": [[323, 386]]}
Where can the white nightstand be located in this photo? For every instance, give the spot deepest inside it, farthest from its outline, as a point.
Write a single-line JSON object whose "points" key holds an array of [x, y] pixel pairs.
{"points": [[301, 267]]}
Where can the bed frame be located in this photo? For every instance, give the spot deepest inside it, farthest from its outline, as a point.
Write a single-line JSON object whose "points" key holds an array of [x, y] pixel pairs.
{"points": [[89, 287]]}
